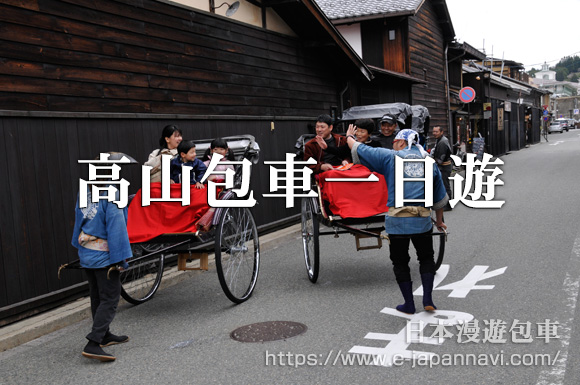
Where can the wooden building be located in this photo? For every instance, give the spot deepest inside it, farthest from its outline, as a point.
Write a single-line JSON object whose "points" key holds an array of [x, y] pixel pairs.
{"points": [[80, 77], [506, 112], [405, 39]]}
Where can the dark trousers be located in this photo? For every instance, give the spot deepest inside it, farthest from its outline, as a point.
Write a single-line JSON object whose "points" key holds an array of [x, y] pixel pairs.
{"points": [[399, 249], [445, 174], [104, 293]]}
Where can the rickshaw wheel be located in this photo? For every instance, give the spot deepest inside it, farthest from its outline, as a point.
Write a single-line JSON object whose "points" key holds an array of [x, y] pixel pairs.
{"points": [[310, 239], [141, 279], [439, 248], [237, 253]]}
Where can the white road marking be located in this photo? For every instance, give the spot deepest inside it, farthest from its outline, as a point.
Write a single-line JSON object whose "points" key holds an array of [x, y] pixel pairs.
{"points": [[555, 374], [461, 288]]}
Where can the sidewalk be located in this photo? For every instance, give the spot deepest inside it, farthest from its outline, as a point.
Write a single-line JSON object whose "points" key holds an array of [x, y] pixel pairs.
{"points": [[34, 327]]}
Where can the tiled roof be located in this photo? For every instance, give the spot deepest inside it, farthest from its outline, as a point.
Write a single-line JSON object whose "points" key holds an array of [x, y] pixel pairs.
{"points": [[342, 9]]}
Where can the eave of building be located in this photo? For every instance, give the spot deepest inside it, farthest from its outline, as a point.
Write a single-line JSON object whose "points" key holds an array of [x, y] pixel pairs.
{"points": [[384, 72], [358, 19]]}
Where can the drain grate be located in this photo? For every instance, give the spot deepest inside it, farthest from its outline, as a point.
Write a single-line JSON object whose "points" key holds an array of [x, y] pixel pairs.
{"points": [[268, 331]]}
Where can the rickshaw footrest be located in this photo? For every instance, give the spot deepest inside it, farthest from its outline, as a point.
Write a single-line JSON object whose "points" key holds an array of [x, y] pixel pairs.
{"points": [[358, 237], [182, 259]]}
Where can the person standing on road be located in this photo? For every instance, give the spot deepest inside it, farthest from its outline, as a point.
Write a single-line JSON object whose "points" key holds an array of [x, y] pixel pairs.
{"points": [[100, 235], [411, 223], [442, 155], [389, 129]]}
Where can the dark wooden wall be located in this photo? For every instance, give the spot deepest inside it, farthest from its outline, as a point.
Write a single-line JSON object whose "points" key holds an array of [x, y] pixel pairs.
{"points": [[148, 56], [427, 62], [79, 77], [40, 173]]}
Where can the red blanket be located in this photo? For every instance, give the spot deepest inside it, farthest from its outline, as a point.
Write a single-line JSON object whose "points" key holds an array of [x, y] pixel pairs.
{"points": [[145, 223], [354, 199]]}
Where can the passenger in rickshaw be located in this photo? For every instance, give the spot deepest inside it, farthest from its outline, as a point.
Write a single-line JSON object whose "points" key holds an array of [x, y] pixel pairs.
{"points": [[219, 146], [389, 129], [365, 127], [171, 136], [324, 159], [410, 223], [187, 157]]}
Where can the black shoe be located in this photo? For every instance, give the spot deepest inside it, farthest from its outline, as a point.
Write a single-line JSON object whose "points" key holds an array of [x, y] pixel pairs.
{"points": [[94, 351], [111, 339]]}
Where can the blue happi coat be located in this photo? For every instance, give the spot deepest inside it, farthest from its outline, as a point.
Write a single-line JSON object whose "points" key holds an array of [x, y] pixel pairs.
{"points": [[106, 221], [382, 160]]}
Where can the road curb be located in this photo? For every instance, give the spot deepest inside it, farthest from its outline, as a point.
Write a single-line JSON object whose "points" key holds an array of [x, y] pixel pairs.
{"points": [[31, 328]]}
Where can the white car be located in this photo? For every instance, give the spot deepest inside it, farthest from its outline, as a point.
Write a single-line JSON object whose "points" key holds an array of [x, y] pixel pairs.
{"points": [[563, 122], [556, 127]]}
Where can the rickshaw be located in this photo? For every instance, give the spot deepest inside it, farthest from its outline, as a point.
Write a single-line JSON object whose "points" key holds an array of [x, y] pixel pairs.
{"points": [[315, 210], [231, 234]]}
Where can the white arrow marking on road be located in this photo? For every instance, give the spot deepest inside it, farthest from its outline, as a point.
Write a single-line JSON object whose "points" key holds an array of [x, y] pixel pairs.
{"points": [[557, 143]]}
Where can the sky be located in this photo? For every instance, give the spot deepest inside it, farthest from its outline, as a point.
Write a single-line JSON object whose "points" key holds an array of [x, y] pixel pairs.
{"points": [[529, 32]]}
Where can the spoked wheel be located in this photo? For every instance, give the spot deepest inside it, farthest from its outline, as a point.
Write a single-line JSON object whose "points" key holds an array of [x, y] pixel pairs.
{"points": [[439, 249], [237, 253], [141, 280], [310, 239]]}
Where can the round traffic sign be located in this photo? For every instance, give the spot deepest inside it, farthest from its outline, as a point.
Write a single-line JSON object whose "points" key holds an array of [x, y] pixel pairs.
{"points": [[467, 94]]}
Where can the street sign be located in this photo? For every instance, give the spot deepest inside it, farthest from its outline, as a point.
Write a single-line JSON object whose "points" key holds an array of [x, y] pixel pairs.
{"points": [[576, 111], [467, 94], [546, 112], [545, 118]]}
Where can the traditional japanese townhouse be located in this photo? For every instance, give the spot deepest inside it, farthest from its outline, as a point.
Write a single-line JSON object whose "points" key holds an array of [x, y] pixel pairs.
{"points": [[406, 39], [460, 113], [80, 77], [507, 112]]}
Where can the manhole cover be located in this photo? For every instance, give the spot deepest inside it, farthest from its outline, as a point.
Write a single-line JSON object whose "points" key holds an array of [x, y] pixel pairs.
{"points": [[268, 331]]}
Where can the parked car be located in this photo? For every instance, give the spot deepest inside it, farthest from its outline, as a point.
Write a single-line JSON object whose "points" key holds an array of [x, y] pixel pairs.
{"points": [[564, 123], [556, 127], [571, 124]]}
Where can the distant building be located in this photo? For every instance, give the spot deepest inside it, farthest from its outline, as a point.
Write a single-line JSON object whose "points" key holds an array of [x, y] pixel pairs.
{"points": [[546, 79], [545, 73], [557, 88]]}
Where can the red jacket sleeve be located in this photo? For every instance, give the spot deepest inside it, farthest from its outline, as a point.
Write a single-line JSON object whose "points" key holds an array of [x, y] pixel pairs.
{"points": [[312, 150]]}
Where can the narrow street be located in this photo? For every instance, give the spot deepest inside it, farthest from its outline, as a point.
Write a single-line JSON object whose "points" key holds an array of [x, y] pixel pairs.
{"points": [[518, 266]]}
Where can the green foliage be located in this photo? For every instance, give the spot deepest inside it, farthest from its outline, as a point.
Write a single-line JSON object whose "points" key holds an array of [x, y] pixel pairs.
{"points": [[561, 73], [532, 72], [574, 78], [571, 63]]}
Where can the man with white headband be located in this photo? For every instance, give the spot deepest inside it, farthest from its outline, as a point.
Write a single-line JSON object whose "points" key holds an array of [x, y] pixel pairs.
{"points": [[412, 222]]}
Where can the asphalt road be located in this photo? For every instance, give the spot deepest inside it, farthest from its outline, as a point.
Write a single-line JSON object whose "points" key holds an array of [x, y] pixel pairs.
{"points": [[530, 250]]}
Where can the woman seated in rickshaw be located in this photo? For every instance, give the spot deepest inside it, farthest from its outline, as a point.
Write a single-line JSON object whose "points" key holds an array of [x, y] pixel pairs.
{"points": [[171, 137]]}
